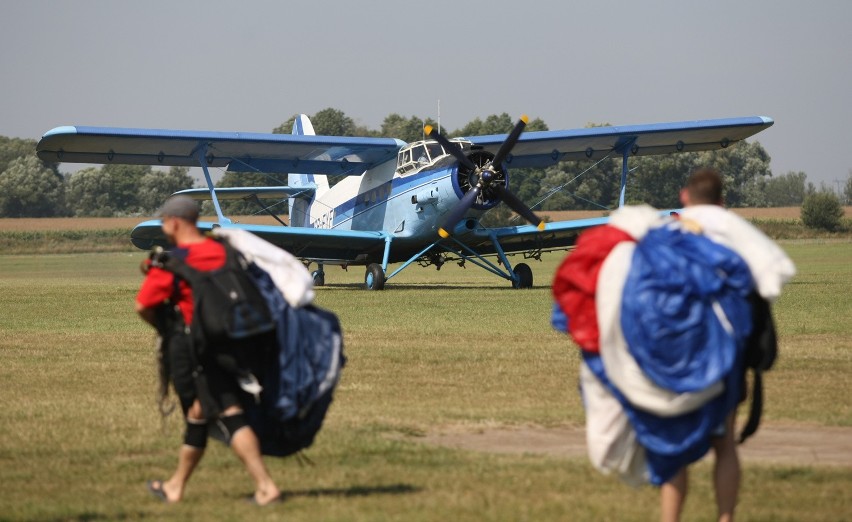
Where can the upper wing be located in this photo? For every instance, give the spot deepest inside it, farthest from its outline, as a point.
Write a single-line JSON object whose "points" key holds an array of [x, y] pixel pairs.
{"points": [[279, 153], [542, 149], [308, 243]]}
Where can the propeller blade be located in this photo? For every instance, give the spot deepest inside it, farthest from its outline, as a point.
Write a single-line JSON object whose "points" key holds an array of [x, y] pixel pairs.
{"points": [[518, 206], [510, 141], [458, 211], [449, 146]]}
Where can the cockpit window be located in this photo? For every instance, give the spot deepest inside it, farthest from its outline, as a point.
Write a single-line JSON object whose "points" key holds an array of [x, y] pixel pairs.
{"points": [[404, 158], [419, 154]]}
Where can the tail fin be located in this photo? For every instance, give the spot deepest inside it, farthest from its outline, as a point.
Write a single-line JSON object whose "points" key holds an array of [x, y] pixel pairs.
{"points": [[300, 208]]}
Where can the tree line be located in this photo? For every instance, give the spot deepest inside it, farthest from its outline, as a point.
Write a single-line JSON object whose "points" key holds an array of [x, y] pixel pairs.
{"points": [[30, 187]]}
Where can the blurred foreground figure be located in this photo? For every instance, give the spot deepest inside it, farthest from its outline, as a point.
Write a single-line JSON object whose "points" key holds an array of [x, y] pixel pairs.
{"points": [[668, 314]]}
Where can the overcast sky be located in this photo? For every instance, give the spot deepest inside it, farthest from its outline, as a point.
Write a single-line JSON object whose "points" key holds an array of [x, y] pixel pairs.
{"points": [[249, 66]]}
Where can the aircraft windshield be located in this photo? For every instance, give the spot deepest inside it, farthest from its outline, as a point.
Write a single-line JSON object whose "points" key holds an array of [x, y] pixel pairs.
{"points": [[418, 155]]}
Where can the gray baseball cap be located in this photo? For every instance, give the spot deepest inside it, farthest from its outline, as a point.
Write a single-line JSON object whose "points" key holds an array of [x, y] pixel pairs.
{"points": [[183, 207]]}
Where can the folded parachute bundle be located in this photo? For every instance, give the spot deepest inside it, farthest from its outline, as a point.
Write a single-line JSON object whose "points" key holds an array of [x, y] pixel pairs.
{"points": [[662, 316]]}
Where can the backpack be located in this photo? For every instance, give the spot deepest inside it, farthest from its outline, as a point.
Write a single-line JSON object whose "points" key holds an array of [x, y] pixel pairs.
{"points": [[228, 307], [294, 354], [761, 350]]}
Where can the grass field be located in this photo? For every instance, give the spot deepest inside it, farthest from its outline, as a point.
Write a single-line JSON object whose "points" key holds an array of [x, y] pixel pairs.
{"points": [[80, 433]]}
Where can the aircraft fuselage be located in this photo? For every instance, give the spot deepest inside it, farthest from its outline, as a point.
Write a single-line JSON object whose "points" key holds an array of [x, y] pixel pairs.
{"points": [[407, 204]]}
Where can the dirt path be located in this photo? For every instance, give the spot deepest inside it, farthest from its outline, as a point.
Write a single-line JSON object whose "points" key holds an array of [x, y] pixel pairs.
{"points": [[773, 443]]}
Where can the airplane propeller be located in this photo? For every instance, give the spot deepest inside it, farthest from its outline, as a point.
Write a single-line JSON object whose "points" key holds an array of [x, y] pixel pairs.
{"points": [[488, 178]]}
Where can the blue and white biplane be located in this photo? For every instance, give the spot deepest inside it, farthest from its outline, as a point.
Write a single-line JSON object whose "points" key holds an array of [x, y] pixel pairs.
{"points": [[399, 202]]}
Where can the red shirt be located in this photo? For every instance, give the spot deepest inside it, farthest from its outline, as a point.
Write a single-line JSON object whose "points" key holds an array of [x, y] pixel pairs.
{"points": [[159, 285]]}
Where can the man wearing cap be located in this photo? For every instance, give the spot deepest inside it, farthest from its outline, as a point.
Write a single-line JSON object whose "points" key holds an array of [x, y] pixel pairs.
{"points": [[179, 215]]}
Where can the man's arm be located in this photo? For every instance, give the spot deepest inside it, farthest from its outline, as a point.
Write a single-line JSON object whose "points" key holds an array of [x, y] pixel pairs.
{"points": [[147, 314]]}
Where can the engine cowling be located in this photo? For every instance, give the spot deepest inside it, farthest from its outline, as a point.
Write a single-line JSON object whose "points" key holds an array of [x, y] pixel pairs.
{"points": [[465, 179]]}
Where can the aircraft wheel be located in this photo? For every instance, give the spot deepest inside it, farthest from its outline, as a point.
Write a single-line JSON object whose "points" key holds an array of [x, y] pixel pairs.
{"points": [[524, 275], [319, 277], [374, 279]]}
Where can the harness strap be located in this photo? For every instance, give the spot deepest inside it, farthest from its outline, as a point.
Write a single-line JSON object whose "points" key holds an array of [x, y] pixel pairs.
{"points": [[756, 407]]}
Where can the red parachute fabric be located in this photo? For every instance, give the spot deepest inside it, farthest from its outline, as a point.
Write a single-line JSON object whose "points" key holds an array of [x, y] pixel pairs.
{"points": [[576, 281]]}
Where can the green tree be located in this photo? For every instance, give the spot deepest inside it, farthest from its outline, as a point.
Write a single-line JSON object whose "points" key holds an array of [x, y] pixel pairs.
{"points": [[125, 187], [744, 167], [328, 122], [89, 193], [787, 190], [847, 190], [496, 124], [28, 188], [658, 179], [822, 210], [286, 127], [408, 130], [333, 122], [156, 186], [14, 148]]}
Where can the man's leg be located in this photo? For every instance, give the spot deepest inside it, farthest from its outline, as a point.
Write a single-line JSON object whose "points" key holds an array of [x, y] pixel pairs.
{"points": [[188, 457], [673, 495], [726, 473], [245, 444]]}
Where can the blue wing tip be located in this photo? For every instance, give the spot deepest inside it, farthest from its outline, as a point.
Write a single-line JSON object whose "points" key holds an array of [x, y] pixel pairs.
{"points": [[65, 129]]}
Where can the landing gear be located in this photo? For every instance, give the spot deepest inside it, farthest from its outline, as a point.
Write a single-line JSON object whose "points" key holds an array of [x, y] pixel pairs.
{"points": [[374, 279], [319, 277], [524, 276]]}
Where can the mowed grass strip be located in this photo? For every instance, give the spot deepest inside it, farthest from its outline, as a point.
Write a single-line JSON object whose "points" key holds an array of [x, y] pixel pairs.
{"points": [[81, 433]]}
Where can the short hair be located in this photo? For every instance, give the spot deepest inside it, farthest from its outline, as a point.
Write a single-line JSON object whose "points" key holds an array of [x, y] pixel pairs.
{"points": [[705, 187], [181, 207]]}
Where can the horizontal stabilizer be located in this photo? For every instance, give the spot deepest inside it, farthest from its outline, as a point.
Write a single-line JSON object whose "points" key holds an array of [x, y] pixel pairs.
{"points": [[246, 192], [347, 246]]}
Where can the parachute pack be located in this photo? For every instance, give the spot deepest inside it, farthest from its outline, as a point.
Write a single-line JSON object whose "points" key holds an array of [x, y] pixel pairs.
{"points": [[288, 358]]}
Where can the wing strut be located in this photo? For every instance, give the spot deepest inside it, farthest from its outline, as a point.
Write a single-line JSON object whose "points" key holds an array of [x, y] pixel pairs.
{"points": [[386, 255], [201, 156], [268, 211], [413, 258], [626, 148]]}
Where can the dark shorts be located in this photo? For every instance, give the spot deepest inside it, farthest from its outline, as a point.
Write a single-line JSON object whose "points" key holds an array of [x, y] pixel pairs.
{"points": [[215, 388]]}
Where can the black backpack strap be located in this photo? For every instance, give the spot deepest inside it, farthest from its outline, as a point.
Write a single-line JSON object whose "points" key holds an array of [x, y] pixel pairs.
{"points": [[762, 343], [756, 407], [175, 262]]}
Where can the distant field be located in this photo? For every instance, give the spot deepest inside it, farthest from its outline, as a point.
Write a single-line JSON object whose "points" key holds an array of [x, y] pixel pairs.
{"points": [[89, 223], [36, 224], [748, 213]]}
